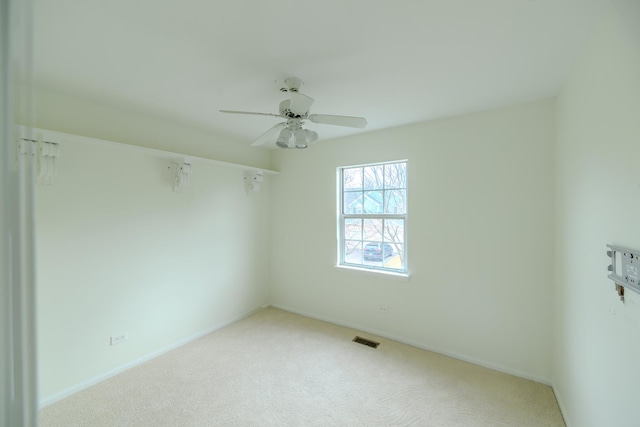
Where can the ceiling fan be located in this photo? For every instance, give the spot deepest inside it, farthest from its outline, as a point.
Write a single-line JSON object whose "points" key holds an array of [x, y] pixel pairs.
{"points": [[290, 134]]}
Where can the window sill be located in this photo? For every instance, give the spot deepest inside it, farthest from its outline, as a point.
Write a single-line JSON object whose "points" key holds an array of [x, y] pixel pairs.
{"points": [[370, 271]]}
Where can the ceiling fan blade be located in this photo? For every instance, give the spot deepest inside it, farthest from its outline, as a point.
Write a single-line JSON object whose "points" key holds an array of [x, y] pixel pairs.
{"points": [[269, 135], [248, 112], [327, 119], [300, 103]]}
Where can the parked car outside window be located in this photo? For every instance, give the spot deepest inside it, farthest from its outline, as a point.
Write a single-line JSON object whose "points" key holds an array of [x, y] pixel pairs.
{"points": [[377, 251]]}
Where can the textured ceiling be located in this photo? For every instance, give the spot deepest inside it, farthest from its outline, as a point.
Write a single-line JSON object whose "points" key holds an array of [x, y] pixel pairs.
{"points": [[393, 62]]}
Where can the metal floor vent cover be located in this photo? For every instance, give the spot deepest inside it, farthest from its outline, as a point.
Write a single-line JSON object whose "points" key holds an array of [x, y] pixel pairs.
{"points": [[366, 342]]}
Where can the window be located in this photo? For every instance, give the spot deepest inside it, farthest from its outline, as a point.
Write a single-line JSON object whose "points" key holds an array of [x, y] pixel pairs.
{"points": [[372, 216]]}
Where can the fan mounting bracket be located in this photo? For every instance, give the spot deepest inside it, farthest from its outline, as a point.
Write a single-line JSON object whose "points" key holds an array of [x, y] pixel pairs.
{"points": [[290, 84]]}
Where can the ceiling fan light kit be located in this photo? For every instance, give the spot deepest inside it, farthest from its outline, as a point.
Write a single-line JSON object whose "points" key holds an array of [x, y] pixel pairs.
{"points": [[290, 134], [296, 138]]}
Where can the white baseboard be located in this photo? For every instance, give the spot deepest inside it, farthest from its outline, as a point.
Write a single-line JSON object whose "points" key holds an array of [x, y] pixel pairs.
{"points": [[48, 400], [562, 406], [462, 357]]}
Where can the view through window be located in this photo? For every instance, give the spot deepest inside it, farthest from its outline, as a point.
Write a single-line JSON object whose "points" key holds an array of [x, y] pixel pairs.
{"points": [[373, 215]]}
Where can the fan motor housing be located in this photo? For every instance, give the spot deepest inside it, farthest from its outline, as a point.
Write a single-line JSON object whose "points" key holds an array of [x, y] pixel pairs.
{"points": [[286, 111]]}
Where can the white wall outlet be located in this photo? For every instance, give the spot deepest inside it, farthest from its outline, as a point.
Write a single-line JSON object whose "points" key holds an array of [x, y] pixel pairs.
{"points": [[117, 339], [384, 309]]}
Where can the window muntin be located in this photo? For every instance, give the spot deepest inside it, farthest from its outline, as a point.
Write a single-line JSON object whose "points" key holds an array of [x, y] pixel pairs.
{"points": [[372, 216]]}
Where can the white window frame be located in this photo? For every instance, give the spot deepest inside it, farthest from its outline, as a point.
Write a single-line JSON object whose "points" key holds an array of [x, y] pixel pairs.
{"points": [[341, 217]]}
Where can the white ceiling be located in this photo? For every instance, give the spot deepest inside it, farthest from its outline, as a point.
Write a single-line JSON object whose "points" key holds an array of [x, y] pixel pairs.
{"points": [[393, 62]]}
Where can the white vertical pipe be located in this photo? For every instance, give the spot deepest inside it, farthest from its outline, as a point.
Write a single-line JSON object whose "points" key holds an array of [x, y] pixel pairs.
{"points": [[18, 382]]}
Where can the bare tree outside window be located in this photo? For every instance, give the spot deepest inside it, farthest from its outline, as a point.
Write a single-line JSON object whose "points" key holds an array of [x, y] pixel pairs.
{"points": [[372, 218]]}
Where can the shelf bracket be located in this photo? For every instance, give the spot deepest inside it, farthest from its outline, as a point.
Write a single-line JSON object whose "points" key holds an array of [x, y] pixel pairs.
{"points": [[48, 152], [45, 154], [181, 171], [253, 180]]}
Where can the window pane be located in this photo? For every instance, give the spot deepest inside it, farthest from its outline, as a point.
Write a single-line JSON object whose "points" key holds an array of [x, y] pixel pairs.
{"points": [[394, 231], [352, 179], [396, 259], [395, 175], [394, 201], [353, 251], [353, 202], [353, 229], [373, 177], [372, 230], [373, 202], [378, 253], [373, 262]]}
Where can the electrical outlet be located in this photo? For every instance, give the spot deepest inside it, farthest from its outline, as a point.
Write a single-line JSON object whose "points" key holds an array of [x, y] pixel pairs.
{"points": [[117, 339], [384, 309]]}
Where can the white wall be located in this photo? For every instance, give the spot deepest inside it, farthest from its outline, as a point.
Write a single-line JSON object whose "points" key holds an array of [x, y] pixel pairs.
{"points": [[118, 251], [480, 237], [597, 341]]}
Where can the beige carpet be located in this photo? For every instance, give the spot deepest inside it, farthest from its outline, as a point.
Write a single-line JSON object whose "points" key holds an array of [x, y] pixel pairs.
{"points": [[280, 369]]}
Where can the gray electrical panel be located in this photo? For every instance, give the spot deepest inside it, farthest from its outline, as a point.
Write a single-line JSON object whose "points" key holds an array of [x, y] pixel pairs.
{"points": [[624, 268]]}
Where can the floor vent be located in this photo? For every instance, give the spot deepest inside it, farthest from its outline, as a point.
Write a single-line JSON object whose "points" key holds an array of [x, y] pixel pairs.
{"points": [[365, 341]]}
